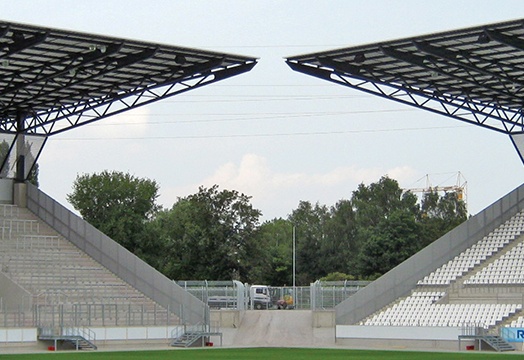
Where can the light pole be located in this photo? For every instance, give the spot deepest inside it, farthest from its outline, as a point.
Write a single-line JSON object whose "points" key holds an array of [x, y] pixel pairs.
{"points": [[294, 265]]}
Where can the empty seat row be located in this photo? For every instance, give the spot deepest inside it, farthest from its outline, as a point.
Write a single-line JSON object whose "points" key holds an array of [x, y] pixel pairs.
{"points": [[433, 314], [508, 269], [477, 253], [57, 273]]}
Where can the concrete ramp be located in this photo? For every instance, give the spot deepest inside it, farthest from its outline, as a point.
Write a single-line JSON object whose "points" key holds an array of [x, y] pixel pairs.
{"points": [[274, 328]]}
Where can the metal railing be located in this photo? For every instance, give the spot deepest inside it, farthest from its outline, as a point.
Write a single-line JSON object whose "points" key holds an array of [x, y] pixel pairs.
{"points": [[116, 258], [317, 296], [83, 331], [104, 315], [328, 294]]}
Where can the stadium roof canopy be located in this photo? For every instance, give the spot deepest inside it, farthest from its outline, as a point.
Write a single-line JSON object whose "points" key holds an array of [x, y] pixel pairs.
{"points": [[54, 80], [474, 75]]}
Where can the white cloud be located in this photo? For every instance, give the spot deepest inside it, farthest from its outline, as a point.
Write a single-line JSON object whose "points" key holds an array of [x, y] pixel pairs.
{"points": [[276, 194], [132, 123]]}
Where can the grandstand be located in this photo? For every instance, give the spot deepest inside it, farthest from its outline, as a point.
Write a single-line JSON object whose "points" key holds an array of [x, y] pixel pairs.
{"points": [[465, 285], [62, 280], [469, 284]]}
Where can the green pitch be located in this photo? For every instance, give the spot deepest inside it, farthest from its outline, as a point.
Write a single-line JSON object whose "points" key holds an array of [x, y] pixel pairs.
{"points": [[256, 354]]}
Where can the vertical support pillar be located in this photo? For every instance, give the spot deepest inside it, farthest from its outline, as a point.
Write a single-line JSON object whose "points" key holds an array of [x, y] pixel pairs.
{"points": [[20, 194], [20, 147], [20, 189]]}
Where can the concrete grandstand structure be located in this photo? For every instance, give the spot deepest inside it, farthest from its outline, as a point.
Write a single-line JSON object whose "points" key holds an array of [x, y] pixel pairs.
{"points": [[439, 290], [62, 280], [469, 284]]}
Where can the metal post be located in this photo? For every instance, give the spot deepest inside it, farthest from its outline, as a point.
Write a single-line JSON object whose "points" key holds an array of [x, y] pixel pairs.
{"points": [[294, 266], [20, 147]]}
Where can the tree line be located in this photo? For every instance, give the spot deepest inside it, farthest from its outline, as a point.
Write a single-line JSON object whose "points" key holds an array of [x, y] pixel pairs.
{"points": [[216, 234]]}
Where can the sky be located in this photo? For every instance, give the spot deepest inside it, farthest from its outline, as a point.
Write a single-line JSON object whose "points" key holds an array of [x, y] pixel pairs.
{"points": [[276, 135]]}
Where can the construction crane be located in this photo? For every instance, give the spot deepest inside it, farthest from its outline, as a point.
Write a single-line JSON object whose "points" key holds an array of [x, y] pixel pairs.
{"points": [[460, 186]]}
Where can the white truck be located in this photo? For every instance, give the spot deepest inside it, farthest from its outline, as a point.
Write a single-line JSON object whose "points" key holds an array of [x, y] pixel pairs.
{"points": [[259, 297], [247, 297], [237, 295]]}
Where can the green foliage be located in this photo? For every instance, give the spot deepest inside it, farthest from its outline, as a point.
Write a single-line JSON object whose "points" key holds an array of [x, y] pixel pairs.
{"points": [[440, 214], [117, 204], [276, 236], [310, 229], [212, 235], [369, 234], [393, 240], [337, 276], [340, 248], [4, 151], [33, 175], [216, 235]]}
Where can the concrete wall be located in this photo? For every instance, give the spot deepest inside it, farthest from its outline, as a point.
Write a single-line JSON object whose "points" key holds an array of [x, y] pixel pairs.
{"points": [[323, 318], [133, 333], [20, 194], [14, 297], [398, 332], [227, 318], [18, 335], [400, 337], [6, 191], [402, 279], [117, 259]]}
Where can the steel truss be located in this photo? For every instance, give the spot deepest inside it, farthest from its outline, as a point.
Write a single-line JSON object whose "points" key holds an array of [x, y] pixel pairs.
{"points": [[54, 80], [67, 116], [473, 75], [502, 119]]}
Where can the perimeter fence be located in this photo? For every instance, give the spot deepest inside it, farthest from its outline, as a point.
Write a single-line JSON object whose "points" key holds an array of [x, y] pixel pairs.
{"points": [[320, 295]]}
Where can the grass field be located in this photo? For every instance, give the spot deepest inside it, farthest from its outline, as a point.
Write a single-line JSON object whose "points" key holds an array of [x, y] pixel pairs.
{"points": [[258, 353]]}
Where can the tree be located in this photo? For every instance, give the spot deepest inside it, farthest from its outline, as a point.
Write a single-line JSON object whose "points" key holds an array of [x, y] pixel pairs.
{"points": [[440, 214], [33, 175], [310, 224], [339, 251], [116, 203], [277, 237], [212, 235], [375, 202], [394, 239], [337, 276], [4, 159], [385, 217]]}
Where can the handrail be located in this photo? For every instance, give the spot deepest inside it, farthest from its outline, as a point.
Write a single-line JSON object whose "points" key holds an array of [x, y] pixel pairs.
{"points": [[83, 332], [178, 332], [123, 263], [474, 329], [20, 225]]}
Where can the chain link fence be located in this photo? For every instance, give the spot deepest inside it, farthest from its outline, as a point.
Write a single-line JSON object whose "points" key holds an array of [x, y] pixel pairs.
{"points": [[328, 294], [235, 295], [217, 294]]}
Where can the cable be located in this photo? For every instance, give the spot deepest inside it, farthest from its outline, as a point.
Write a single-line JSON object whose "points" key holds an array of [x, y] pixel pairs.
{"points": [[246, 117], [258, 135]]}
